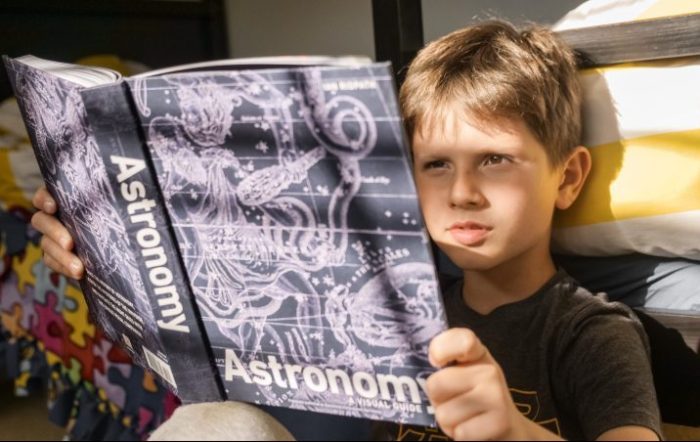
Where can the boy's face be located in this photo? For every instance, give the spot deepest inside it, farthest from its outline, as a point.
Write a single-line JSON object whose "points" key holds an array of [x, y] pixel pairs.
{"points": [[487, 191]]}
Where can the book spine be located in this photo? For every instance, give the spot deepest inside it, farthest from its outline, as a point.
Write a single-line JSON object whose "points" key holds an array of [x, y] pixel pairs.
{"points": [[188, 365]]}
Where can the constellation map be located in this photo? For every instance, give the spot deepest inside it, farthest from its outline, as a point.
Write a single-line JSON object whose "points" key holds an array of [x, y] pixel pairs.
{"points": [[291, 197]]}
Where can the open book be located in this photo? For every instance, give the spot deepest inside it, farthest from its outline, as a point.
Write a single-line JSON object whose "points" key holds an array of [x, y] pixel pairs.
{"points": [[250, 229]]}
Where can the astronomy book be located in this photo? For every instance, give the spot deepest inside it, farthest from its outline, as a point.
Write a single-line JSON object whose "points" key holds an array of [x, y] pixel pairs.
{"points": [[250, 228]]}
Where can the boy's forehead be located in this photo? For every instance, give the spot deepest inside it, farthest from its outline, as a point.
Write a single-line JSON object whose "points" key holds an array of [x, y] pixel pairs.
{"points": [[448, 126], [465, 135]]}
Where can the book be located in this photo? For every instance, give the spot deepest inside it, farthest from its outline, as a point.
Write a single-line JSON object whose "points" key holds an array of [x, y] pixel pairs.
{"points": [[250, 228]]}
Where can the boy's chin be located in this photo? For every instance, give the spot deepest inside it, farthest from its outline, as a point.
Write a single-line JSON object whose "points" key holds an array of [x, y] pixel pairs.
{"points": [[469, 260]]}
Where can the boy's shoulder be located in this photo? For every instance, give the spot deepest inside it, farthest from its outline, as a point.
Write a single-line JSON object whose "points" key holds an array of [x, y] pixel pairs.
{"points": [[574, 301], [574, 314]]}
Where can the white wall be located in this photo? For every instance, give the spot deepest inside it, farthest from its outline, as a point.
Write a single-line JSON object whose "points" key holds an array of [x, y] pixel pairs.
{"points": [[443, 16], [344, 27], [294, 27]]}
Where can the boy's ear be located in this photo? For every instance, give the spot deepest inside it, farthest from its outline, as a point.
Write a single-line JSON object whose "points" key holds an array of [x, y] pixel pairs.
{"points": [[574, 172]]}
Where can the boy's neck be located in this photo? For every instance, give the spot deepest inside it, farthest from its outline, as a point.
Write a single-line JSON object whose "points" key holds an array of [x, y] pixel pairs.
{"points": [[512, 281]]}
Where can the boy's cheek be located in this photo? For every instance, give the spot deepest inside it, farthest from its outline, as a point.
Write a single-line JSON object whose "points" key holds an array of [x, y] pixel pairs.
{"points": [[429, 201], [429, 217], [430, 225]]}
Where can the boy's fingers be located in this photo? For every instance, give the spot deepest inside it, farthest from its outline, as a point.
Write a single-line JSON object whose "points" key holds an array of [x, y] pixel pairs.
{"points": [[451, 382], [457, 410], [459, 345], [61, 260], [55, 265], [52, 228], [42, 200]]}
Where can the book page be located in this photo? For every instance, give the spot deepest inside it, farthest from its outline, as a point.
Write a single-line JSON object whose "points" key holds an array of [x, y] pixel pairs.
{"points": [[85, 76], [258, 63]]}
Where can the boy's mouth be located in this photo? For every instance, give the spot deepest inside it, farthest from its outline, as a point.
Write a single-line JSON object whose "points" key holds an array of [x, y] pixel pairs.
{"points": [[469, 233]]}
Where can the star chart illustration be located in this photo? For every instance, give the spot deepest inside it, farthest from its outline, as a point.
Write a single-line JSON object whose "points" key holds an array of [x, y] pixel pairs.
{"points": [[292, 201]]}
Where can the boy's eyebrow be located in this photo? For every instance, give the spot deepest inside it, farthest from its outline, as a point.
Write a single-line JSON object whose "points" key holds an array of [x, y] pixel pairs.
{"points": [[429, 156], [432, 150]]}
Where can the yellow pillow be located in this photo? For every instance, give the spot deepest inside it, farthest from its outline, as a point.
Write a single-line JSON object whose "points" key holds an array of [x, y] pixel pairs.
{"points": [[19, 171], [642, 124]]}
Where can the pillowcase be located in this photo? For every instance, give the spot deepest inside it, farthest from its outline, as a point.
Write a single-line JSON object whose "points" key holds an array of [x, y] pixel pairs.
{"points": [[641, 122], [651, 282]]}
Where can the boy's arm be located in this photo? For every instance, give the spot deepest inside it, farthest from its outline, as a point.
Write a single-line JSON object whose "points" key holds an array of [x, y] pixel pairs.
{"points": [[56, 243], [629, 433]]}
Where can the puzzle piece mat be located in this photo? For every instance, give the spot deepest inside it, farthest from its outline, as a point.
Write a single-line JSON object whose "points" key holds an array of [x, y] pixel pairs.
{"points": [[47, 337]]}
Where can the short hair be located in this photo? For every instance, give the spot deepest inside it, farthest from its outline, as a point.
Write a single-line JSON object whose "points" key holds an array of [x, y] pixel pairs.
{"points": [[493, 71]]}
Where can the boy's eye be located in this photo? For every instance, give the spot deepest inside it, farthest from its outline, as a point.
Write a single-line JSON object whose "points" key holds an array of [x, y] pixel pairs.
{"points": [[494, 159], [435, 164]]}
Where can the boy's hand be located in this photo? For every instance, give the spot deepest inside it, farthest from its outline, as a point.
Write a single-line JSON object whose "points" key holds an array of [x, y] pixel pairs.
{"points": [[56, 242], [470, 396]]}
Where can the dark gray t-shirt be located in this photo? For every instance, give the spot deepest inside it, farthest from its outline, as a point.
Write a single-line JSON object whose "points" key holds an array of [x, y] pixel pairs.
{"points": [[575, 364]]}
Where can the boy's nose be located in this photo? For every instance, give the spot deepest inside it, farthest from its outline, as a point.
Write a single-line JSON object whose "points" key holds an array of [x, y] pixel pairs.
{"points": [[465, 193]]}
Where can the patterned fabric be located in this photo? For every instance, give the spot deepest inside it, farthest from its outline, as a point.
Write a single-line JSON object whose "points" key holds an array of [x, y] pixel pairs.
{"points": [[642, 125], [46, 334]]}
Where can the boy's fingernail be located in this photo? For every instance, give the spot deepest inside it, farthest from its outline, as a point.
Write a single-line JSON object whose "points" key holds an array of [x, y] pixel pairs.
{"points": [[75, 267], [49, 205]]}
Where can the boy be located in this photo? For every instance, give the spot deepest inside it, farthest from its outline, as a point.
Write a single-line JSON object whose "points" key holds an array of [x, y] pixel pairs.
{"points": [[493, 116]]}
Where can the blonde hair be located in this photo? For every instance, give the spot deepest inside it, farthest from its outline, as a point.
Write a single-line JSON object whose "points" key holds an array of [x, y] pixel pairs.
{"points": [[493, 71]]}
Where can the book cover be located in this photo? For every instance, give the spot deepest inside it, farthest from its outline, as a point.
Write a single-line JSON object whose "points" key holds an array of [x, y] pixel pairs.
{"points": [[272, 212], [292, 200]]}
